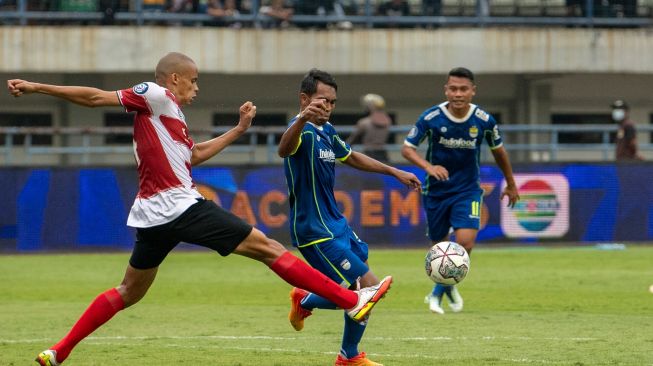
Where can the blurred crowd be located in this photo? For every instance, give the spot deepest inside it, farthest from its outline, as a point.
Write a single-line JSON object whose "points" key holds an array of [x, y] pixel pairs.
{"points": [[279, 13]]}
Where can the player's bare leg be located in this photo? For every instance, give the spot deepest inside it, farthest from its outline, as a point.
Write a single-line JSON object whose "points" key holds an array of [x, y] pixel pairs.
{"points": [[133, 287], [299, 274]]}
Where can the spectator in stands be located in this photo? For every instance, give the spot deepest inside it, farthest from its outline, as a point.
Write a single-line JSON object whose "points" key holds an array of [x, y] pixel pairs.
{"points": [[225, 9], [626, 141], [181, 6], [322, 8], [432, 7], [279, 13], [372, 130], [154, 5], [394, 8], [603, 8]]}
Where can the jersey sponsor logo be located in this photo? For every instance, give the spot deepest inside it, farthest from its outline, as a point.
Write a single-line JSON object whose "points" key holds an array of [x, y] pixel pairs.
{"points": [[412, 133], [430, 116], [473, 132], [457, 143], [327, 155], [140, 88], [482, 115]]}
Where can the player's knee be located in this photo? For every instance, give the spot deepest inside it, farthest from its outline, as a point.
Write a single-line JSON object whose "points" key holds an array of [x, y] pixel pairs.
{"points": [[130, 293], [258, 246]]}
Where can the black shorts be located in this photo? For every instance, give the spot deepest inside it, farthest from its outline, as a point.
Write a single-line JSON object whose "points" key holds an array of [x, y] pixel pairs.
{"points": [[203, 223]]}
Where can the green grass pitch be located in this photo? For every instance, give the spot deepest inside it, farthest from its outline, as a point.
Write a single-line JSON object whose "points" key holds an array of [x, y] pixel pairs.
{"points": [[558, 306]]}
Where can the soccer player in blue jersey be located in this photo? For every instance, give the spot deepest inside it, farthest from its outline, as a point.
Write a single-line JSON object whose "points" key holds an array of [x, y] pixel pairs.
{"points": [[310, 148], [452, 194]]}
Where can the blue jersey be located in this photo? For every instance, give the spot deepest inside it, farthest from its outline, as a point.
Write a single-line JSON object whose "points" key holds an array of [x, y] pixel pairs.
{"points": [[454, 143], [310, 174]]}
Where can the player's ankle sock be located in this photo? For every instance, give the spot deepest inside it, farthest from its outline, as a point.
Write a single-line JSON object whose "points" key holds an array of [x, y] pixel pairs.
{"points": [[351, 337], [103, 308], [438, 290], [299, 274], [447, 291], [312, 301]]}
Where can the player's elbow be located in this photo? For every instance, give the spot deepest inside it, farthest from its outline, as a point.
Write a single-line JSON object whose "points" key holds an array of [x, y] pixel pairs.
{"points": [[93, 102], [283, 153], [406, 150]]}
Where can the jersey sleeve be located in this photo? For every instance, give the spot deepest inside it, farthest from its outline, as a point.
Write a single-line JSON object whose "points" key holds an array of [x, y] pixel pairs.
{"points": [[417, 134], [340, 148], [493, 134], [141, 97], [301, 137]]}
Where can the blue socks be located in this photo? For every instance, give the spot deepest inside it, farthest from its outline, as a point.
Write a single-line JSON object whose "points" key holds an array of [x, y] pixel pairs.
{"points": [[352, 336], [353, 332], [439, 290], [312, 301]]}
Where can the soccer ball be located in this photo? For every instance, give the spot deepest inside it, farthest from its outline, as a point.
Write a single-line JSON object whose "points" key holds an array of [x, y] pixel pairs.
{"points": [[447, 263]]}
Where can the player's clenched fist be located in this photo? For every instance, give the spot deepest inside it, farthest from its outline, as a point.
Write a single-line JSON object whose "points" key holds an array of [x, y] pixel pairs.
{"points": [[18, 87], [247, 113]]}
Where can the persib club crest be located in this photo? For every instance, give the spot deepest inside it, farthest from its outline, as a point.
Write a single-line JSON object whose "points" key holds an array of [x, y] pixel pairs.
{"points": [[140, 88], [473, 132]]}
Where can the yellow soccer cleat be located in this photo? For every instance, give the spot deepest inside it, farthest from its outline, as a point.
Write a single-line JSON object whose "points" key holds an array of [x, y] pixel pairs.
{"points": [[47, 358], [368, 297]]}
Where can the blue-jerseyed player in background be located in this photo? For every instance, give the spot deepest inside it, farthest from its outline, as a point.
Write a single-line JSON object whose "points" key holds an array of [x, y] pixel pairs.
{"points": [[310, 148], [452, 194]]}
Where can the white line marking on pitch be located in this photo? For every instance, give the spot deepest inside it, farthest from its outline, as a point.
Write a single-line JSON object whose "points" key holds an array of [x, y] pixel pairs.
{"points": [[245, 337]]}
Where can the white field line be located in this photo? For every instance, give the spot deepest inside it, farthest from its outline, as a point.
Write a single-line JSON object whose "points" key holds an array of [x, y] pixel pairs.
{"points": [[333, 354], [273, 338]]}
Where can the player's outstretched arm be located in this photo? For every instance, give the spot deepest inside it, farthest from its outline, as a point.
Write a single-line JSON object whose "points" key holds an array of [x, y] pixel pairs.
{"points": [[208, 149], [364, 162], [501, 157], [82, 95]]}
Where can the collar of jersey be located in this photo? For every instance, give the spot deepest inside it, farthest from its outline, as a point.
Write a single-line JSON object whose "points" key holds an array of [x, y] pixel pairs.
{"points": [[443, 108]]}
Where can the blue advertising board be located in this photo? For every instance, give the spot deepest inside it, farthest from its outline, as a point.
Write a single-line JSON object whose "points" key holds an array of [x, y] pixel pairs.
{"points": [[87, 208]]}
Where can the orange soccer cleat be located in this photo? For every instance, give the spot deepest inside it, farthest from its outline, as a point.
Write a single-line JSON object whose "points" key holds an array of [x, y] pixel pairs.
{"points": [[359, 360], [297, 313]]}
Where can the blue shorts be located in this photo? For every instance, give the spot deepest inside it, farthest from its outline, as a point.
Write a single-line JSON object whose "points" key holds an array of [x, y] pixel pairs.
{"points": [[459, 211], [342, 259]]}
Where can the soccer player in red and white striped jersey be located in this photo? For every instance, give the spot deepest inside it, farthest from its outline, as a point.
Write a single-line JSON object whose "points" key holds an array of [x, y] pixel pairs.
{"points": [[168, 209]]}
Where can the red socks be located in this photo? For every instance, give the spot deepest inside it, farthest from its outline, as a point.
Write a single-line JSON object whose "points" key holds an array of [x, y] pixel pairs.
{"points": [[103, 308], [299, 274]]}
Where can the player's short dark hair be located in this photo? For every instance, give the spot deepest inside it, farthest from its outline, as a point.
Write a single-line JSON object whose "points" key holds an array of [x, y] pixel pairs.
{"points": [[461, 72], [309, 83]]}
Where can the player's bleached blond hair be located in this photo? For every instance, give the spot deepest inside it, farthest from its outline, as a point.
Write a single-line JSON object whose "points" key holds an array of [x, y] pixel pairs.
{"points": [[171, 63]]}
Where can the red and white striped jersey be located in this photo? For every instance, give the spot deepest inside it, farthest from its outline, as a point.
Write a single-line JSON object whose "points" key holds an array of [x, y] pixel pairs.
{"points": [[163, 153]]}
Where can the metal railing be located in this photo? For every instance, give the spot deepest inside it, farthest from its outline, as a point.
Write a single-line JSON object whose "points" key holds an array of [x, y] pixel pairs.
{"points": [[524, 142], [481, 15]]}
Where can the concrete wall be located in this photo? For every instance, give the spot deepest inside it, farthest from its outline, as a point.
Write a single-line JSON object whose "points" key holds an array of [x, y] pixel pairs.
{"points": [[525, 74], [250, 51]]}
